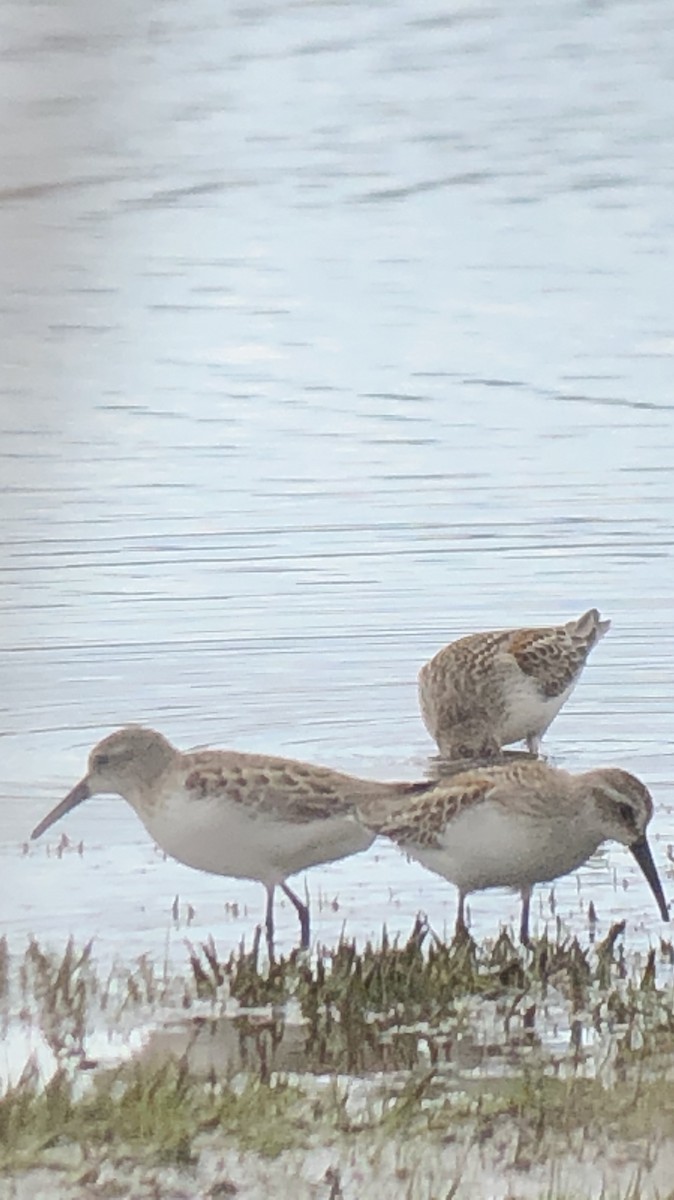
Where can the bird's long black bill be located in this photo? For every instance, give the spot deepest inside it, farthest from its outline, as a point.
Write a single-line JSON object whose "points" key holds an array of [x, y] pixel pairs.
{"points": [[79, 793], [642, 853]]}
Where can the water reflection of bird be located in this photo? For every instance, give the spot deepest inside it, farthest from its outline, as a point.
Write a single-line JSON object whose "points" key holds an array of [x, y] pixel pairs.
{"points": [[223, 1046], [489, 690], [517, 825]]}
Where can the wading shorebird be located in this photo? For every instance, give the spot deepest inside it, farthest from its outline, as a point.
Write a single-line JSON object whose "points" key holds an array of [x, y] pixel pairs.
{"points": [[249, 816], [517, 825], [488, 690]]}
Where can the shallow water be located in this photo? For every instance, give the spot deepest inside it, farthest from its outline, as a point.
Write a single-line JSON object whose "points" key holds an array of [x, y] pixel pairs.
{"points": [[330, 332]]}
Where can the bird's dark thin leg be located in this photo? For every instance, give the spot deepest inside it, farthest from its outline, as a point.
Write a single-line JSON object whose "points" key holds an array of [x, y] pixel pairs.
{"points": [[461, 929], [302, 912], [524, 923], [269, 923]]}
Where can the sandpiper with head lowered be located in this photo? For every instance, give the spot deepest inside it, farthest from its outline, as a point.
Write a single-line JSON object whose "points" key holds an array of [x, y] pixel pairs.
{"points": [[488, 690], [249, 816], [517, 825]]}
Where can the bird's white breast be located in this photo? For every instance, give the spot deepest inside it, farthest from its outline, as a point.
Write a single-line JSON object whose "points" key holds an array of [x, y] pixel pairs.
{"points": [[228, 838], [526, 710], [488, 846]]}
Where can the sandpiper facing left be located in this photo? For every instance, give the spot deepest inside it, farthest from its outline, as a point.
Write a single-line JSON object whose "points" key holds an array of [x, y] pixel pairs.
{"points": [[517, 825], [488, 690], [249, 816]]}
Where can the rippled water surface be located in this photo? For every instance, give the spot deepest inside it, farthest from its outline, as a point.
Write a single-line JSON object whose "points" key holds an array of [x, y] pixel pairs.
{"points": [[331, 331]]}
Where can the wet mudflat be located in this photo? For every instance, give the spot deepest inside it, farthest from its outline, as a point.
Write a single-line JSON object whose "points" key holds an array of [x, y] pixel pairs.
{"points": [[544, 1072]]}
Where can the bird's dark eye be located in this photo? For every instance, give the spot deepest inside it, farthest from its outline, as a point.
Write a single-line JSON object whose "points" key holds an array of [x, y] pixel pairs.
{"points": [[626, 813], [101, 760]]}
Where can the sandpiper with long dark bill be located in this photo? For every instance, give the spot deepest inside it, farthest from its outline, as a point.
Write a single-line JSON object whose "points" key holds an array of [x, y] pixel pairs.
{"points": [[517, 825], [248, 816]]}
